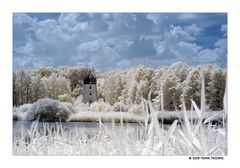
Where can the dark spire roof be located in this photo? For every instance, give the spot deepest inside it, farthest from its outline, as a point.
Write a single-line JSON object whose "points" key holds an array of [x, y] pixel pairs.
{"points": [[90, 79]]}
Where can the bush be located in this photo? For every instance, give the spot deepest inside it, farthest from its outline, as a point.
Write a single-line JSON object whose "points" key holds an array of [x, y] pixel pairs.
{"points": [[119, 106], [101, 107], [65, 98], [20, 113], [47, 109], [79, 106], [137, 109], [70, 106]]}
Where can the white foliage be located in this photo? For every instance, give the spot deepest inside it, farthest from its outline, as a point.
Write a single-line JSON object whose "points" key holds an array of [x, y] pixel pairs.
{"points": [[47, 109], [120, 107], [100, 106], [56, 85], [65, 98], [136, 109], [21, 112], [127, 86]]}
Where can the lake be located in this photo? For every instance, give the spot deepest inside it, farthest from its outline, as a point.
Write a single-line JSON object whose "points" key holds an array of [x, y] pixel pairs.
{"points": [[92, 138], [23, 128]]}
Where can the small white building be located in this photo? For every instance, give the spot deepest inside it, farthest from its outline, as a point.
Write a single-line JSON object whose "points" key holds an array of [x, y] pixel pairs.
{"points": [[90, 89]]}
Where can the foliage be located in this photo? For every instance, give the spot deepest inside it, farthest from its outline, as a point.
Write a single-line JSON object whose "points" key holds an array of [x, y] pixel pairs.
{"points": [[126, 86], [56, 85], [21, 112], [119, 107], [65, 98], [47, 109], [101, 106], [136, 108]]}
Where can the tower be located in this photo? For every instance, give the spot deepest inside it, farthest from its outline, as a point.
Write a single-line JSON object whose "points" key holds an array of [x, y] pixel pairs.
{"points": [[90, 89]]}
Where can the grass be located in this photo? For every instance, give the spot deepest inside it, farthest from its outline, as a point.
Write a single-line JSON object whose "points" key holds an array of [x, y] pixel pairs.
{"points": [[179, 138], [169, 116], [106, 116], [109, 139]]}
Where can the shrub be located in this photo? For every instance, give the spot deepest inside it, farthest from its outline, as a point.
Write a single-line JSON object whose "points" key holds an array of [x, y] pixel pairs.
{"points": [[101, 107], [119, 106], [70, 106], [137, 109], [65, 98], [79, 106], [20, 113], [47, 109]]}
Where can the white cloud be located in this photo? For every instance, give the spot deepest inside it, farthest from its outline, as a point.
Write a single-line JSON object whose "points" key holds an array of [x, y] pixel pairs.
{"points": [[177, 42], [96, 53], [71, 24], [207, 56], [178, 32], [20, 18], [216, 55], [224, 30], [187, 16], [90, 46], [187, 50], [193, 29], [124, 63], [221, 43], [27, 49], [114, 40], [156, 18]]}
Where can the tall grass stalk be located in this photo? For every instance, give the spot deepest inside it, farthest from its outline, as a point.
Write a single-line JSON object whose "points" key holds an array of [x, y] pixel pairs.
{"points": [[162, 112], [202, 107], [225, 115]]}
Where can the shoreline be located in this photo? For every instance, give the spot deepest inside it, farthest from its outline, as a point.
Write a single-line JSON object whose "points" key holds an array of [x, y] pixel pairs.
{"points": [[126, 117]]}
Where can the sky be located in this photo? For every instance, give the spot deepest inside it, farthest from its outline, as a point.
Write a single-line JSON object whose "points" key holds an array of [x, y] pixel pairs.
{"points": [[107, 41]]}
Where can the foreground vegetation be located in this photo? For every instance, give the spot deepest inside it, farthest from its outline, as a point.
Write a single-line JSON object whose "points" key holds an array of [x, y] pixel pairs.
{"points": [[182, 137]]}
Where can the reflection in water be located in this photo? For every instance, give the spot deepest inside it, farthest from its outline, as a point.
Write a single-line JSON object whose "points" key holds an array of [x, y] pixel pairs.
{"points": [[23, 129], [91, 138]]}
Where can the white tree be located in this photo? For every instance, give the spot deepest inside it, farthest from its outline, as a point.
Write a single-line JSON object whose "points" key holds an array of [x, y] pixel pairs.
{"points": [[193, 88], [22, 86], [112, 88], [142, 91], [37, 87], [172, 91], [217, 89], [127, 86], [56, 85]]}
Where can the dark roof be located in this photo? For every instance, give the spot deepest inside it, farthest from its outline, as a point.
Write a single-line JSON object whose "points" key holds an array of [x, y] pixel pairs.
{"points": [[90, 79]]}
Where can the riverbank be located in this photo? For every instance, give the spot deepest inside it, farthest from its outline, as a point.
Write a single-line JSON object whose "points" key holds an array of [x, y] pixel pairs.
{"points": [[169, 116]]}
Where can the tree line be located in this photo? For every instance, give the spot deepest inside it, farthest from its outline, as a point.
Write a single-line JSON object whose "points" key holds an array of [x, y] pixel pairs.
{"points": [[127, 86]]}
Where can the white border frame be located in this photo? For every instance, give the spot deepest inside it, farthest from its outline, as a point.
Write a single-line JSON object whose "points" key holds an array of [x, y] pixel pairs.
{"points": [[8, 7]]}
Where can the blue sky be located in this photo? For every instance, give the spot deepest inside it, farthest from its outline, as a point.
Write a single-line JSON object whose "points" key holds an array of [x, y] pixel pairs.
{"points": [[108, 41]]}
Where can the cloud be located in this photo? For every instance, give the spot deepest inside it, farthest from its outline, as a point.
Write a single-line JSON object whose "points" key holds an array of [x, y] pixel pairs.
{"points": [[216, 55], [193, 29], [117, 40], [177, 43], [96, 54], [186, 16], [224, 30], [207, 56]]}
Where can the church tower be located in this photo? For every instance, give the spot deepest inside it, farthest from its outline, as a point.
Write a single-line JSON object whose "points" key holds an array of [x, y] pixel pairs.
{"points": [[90, 89]]}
